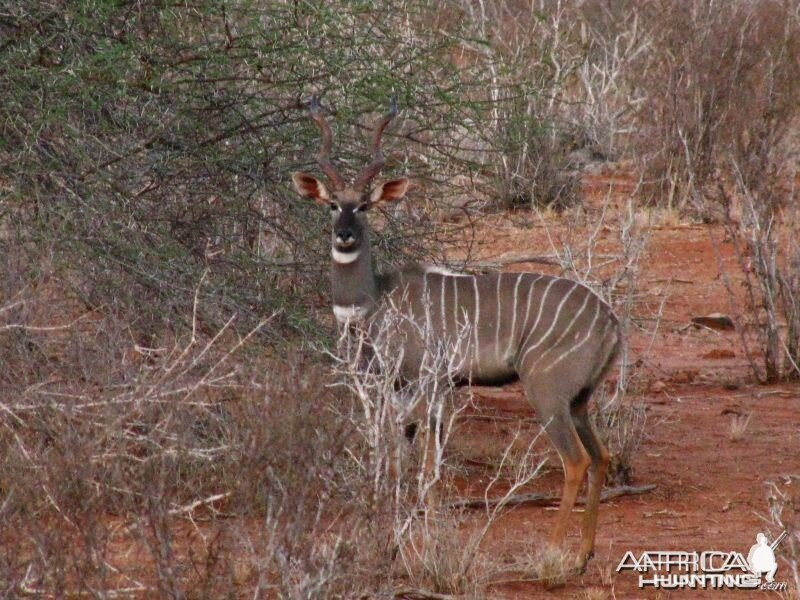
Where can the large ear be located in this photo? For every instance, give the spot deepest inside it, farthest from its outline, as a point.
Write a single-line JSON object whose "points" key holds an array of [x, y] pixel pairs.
{"points": [[310, 187], [389, 191]]}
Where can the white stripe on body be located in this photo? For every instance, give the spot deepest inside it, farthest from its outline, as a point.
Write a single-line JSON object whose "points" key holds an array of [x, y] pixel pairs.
{"points": [[497, 322], [426, 303], [528, 307], [542, 302], [567, 329], [578, 345], [477, 316], [437, 270], [552, 324], [442, 304], [513, 316], [455, 306]]}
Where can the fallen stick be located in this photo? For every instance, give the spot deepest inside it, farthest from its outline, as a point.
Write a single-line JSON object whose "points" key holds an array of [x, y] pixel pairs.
{"points": [[547, 499], [498, 418], [197, 503], [418, 594], [672, 280]]}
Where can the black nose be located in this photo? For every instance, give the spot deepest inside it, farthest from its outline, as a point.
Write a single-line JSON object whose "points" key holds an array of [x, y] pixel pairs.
{"points": [[344, 235]]}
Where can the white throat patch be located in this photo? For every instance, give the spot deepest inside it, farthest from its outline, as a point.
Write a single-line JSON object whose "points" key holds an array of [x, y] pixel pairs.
{"points": [[344, 258], [344, 314]]}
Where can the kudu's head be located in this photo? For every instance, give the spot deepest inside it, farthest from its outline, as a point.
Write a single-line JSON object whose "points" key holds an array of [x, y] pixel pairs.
{"points": [[348, 202]]}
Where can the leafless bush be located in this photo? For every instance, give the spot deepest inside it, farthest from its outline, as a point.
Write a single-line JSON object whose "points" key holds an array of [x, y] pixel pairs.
{"points": [[433, 551], [721, 87], [621, 419], [604, 103], [529, 54], [558, 75], [768, 256], [716, 80], [123, 465], [369, 364], [784, 511], [614, 275]]}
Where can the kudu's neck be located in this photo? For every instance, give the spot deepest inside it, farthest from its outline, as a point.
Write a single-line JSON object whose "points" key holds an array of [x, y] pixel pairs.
{"points": [[354, 283]]}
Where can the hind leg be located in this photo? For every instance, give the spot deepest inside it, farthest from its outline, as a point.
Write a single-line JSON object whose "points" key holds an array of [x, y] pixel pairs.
{"points": [[553, 408], [597, 473], [575, 460]]}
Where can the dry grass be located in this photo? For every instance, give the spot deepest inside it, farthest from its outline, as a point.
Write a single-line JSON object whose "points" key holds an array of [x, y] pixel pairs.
{"points": [[596, 593], [739, 427], [447, 561], [661, 216], [784, 512], [607, 573], [553, 567]]}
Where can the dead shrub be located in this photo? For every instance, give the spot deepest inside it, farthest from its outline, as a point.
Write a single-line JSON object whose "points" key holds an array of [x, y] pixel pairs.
{"points": [[784, 512], [763, 235], [528, 52], [716, 80], [435, 551], [113, 450]]}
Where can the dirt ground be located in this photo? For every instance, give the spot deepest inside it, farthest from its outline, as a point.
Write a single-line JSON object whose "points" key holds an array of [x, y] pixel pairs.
{"points": [[711, 485], [710, 494]]}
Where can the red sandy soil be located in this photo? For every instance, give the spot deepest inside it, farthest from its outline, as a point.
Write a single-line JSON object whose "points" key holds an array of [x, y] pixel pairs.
{"points": [[711, 489]]}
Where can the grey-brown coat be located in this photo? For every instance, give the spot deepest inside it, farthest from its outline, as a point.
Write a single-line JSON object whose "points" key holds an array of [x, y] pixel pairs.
{"points": [[557, 336]]}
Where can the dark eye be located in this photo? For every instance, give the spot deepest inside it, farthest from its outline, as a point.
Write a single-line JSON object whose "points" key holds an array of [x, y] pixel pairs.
{"points": [[333, 205], [362, 207]]}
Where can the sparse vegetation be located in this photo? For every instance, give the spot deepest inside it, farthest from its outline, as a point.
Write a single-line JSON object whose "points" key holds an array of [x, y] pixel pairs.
{"points": [[719, 139], [784, 512], [596, 594], [553, 566], [739, 427], [176, 417]]}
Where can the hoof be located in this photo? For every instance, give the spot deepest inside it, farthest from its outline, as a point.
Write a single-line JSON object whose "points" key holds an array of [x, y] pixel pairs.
{"points": [[580, 567]]}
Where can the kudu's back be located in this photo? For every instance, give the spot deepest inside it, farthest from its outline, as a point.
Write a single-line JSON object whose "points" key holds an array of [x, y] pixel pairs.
{"points": [[500, 327]]}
